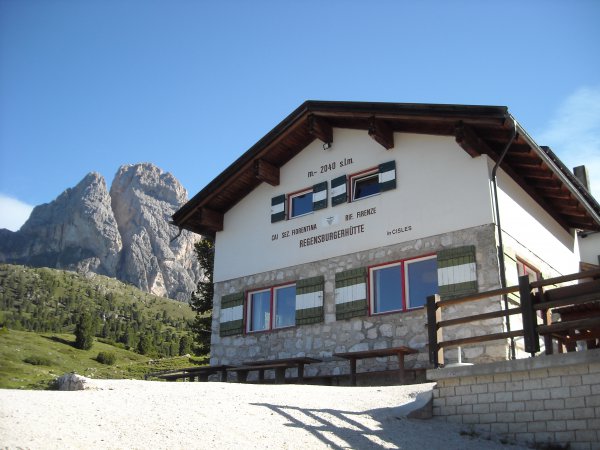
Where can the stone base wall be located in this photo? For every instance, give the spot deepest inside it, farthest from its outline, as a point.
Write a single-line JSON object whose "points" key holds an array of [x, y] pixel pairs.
{"points": [[321, 340], [552, 399]]}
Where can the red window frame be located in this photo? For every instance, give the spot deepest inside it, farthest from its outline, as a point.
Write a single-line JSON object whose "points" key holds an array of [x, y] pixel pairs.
{"points": [[248, 306], [403, 281], [523, 265], [362, 174]]}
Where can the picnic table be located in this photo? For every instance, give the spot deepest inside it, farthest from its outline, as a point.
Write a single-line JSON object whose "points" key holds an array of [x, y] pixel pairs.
{"points": [[278, 365], [399, 352]]}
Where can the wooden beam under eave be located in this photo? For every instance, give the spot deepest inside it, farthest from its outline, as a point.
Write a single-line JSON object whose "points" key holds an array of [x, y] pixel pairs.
{"points": [[555, 193], [550, 183], [320, 128], [470, 142], [381, 132], [211, 219], [539, 173], [573, 212], [524, 160], [583, 224], [266, 172]]}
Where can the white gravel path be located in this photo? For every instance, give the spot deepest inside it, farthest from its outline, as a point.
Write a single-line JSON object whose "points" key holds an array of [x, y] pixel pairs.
{"points": [[131, 414]]}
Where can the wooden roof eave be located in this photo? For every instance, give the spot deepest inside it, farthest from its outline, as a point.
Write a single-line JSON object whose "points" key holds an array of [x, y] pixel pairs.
{"points": [[477, 129], [244, 162], [566, 177], [364, 110]]}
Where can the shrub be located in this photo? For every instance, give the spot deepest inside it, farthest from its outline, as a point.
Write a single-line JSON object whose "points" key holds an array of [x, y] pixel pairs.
{"points": [[108, 358], [38, 361]]}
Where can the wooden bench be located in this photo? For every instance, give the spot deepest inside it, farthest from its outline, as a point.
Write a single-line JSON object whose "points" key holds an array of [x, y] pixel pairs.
{"points": [[399, 352], [242, 371], [278, 365], [201, 373], [371, 378]]}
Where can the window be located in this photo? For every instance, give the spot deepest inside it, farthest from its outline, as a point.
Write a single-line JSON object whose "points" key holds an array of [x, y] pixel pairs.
{"points": [[271, 308], [364, 184], [259, 311], [402, 285], [300, 203], [421, 281], [285, 306], [525, 269]]}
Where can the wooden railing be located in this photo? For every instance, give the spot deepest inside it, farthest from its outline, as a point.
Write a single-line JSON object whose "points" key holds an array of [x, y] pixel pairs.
{"points": [[533, 298]]}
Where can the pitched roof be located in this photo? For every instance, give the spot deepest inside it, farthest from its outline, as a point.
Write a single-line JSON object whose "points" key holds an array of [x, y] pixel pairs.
{"points": [[477, 129]]}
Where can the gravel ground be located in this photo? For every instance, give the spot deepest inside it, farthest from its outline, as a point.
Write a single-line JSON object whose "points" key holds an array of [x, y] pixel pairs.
{"points": [[132, 414]]}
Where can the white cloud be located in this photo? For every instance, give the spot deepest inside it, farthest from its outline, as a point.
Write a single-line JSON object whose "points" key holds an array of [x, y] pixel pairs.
{"points": [[13, 212], [574, 133]]}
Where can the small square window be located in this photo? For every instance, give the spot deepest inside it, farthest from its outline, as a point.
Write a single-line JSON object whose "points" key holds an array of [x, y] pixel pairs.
{"points": [[300, 203], [365, 184]]}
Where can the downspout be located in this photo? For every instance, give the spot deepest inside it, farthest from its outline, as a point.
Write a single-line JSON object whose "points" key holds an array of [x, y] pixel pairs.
{"points": [[501, 265]]}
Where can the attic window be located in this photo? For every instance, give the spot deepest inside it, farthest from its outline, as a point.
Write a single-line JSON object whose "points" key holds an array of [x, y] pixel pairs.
{"points": [[300, 203], [365, 184]]}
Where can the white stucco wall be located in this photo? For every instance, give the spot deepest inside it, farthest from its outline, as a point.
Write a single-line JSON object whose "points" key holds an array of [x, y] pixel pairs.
{"points": [[533, 233], [590, 248], [440, 188]]}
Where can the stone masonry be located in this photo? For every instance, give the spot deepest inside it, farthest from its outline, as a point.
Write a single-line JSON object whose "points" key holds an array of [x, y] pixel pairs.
{"points": [[321, 340], [546, 400]]}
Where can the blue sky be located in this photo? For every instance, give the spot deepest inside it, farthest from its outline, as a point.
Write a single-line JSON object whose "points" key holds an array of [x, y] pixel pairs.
{"points": [[190, 85]]}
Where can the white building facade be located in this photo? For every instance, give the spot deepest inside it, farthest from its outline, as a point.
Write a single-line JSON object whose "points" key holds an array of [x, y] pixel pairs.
{"points": [[352, 214]]}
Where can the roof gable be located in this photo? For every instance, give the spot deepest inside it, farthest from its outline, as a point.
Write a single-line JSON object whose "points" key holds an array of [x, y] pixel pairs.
{"points": [[477, 129]]}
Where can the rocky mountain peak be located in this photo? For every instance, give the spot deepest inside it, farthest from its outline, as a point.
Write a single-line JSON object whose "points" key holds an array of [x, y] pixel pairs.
{"points": [[123, 234]]}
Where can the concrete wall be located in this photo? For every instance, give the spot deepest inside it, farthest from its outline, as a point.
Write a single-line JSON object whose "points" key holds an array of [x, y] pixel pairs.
{"points": [[546, 399], [321, 340]]}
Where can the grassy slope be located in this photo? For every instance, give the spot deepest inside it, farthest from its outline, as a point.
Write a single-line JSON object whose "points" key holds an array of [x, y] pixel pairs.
{"points": [[15, 373], [124, 293], [45, 287]]}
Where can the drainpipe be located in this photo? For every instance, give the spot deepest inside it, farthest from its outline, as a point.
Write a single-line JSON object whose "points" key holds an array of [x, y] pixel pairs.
{"points": [[500, 244]]}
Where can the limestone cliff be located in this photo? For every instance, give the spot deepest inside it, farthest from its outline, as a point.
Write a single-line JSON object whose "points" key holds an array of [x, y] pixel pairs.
{"points": [[124, 234], [143, 200]]}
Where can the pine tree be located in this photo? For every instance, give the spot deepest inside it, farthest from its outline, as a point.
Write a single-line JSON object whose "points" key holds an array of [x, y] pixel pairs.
{"points": [[145, 345], [84, 332], [185, 346], [202, 300]]}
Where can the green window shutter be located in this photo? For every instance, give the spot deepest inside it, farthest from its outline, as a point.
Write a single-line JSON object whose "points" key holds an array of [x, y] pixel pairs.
{"points": [[339, 189], [387, 176], [351, 293], [278, 208], [457, 272], [320, 196], [231, 320], [309, 300]]}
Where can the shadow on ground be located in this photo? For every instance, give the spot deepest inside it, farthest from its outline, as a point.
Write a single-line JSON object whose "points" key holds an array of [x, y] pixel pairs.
{"points": [[60, 340], [383, 428]]}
